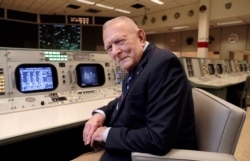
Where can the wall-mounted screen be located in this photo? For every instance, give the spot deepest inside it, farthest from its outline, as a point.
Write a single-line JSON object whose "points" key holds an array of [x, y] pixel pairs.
{"points": [[211, 69], [36, 78], [18, 34], [89, 75], [63, 37]]}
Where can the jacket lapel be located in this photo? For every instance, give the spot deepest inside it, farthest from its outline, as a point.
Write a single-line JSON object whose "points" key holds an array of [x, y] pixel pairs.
{"points": [[135, 75]]}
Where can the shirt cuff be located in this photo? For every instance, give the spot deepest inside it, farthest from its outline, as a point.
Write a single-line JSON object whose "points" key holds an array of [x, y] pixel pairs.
{"points": [[100, 112], [105, 134]]}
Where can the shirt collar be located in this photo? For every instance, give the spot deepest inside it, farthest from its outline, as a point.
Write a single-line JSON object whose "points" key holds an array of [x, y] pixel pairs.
{"points": [[146, 45]]}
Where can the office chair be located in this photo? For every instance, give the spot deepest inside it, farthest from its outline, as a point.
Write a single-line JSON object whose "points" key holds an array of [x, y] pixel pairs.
{"points": [[218, 127], [244, 93]]}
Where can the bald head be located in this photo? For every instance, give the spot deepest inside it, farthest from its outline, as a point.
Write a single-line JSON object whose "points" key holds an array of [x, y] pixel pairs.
{"points": [[123, 21]]}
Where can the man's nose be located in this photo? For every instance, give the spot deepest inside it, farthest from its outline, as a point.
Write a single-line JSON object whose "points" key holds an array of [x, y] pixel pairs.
{"points": [[115, 50]]}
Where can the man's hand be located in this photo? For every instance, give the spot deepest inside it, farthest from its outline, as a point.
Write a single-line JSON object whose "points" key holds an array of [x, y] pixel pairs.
{"points": [[90, 127], [97, 141]]}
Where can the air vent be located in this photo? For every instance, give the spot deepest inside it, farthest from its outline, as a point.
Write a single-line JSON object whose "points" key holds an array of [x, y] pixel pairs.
{"points": [[72, 6], [91, 10], [137, 6]]}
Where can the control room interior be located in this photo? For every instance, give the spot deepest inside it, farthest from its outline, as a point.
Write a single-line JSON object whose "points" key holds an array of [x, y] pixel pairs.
{"points": [[211, 38]]}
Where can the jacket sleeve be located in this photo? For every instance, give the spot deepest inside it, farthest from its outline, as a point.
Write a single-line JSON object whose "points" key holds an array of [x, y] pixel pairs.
{"points": [[108, 110]]}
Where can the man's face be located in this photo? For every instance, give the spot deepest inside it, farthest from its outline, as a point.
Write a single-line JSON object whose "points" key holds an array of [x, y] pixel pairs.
{"points": [[124, 45]]}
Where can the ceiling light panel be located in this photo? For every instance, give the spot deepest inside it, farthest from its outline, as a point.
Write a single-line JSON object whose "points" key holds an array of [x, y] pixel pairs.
{"points": [[123, 11], [180, 27], [159, 2], [86, 1], [104, 6], [230, 22]]}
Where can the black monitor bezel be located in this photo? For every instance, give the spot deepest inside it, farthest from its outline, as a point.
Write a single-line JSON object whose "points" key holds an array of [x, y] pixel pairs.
{"points": [[100, 74], [18, 78]]}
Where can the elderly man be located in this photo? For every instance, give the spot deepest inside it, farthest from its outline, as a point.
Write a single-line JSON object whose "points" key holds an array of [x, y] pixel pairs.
{"points": [[155, 111]]}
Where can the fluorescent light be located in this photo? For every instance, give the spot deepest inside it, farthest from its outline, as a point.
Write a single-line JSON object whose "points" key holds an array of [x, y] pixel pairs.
{"points": [[104, 6], [123, 11], [86, 1], [180, 27], [229, 23], [157, 2]]}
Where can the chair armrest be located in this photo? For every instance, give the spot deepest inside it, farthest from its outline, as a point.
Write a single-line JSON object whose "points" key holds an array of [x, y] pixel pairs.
{"points": [[184, 155]]}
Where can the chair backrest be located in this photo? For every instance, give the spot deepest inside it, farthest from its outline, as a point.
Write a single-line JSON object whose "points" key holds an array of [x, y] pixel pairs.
{"points": [[218, 123]]}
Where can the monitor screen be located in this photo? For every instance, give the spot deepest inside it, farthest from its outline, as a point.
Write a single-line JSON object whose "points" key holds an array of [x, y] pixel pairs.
{"points": [[241, 67], [219, 68], [64, 37], [245, 67], [36, 78], [211, 68], [89, 75]]}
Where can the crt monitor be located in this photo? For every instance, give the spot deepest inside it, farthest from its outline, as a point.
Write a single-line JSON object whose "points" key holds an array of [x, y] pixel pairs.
{"points": [[211, 69], [36, 78], [245, 67], [240, 67], [90, 75], [219, 68]]}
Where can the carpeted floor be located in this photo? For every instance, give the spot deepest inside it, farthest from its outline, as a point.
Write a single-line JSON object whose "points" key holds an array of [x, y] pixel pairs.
{"points": [[242, 152]]}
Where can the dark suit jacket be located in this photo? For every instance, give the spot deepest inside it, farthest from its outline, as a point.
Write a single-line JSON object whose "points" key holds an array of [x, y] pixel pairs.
{"points": [[157, 112]]}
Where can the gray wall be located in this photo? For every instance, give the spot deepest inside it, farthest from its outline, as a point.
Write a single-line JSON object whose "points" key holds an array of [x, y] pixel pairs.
{"points": [[219, 44]]}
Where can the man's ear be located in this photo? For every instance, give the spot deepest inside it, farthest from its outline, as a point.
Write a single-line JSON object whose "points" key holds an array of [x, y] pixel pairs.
{"points": [[141, 35]]}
